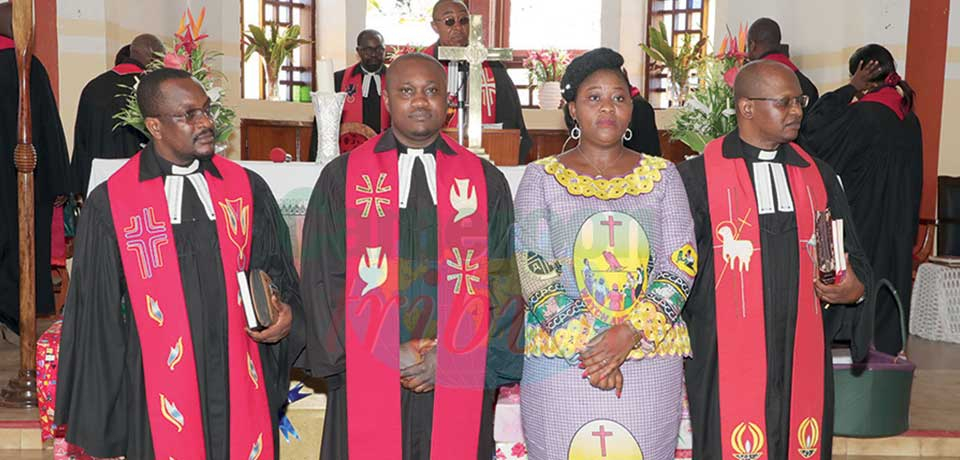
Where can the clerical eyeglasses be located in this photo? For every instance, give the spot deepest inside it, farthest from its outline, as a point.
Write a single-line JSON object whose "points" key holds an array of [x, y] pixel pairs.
{"points": [[192, 116], [784, 102], [450, 22]]}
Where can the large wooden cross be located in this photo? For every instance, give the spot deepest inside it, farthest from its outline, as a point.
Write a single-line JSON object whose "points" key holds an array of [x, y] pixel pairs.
{"points": [[475, 54], [22, 390]]}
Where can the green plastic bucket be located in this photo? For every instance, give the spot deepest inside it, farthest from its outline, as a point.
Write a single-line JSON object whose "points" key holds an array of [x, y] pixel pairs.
{"points": [[872, 398]]}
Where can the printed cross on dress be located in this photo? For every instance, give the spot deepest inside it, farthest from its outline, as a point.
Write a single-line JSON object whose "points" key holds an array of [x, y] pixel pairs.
{"points": [[475, 54]]}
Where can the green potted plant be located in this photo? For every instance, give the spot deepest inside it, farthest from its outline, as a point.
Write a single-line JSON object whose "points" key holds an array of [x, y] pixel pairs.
{"points": [[679, 61], [709, 111], [274, 48]]}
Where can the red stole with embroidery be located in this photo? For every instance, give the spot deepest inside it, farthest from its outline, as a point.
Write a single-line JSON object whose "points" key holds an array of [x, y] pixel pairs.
{"points": [[353, 105], [6, 43], [372, 304], [488, 98], [152, 270], [741, 337]]}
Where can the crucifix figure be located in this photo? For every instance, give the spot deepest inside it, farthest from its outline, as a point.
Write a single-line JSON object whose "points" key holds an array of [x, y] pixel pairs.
{"points": [[475, 54]]}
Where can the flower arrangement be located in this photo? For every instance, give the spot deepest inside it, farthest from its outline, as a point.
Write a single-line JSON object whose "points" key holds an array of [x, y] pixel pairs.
{"points": [[188, 54], [680, 62], [709, 112], [546, 65], [393, 52]]}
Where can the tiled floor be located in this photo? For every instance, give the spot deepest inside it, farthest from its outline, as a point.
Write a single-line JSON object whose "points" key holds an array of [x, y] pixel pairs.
{"points": [[935, 407]]}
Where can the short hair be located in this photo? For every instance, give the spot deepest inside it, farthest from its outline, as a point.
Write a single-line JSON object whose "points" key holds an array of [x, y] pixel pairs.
{"points": [[428, 59], [433, 12], [122, 55], [765, 32], [585, 65], [149, 96], [367, 32]]}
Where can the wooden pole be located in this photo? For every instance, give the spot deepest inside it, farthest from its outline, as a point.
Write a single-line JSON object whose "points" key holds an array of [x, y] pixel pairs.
{"points": [[22, 390]]}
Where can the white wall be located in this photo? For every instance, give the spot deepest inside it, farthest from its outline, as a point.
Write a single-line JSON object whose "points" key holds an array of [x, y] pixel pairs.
{"points": [[949, 135], [822, 34]]}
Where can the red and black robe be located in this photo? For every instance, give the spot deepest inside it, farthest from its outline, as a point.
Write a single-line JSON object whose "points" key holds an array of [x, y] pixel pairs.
{"points": [[96, 134], [325, 269], [780, 258], [101, 389]]}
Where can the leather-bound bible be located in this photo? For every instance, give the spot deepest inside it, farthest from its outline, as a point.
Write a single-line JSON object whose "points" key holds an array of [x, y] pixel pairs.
{"points": [[259, 310], [830, 259]]}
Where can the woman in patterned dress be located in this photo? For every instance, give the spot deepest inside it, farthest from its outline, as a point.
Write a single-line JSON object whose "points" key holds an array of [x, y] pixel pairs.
{"points": [[602, 382]]}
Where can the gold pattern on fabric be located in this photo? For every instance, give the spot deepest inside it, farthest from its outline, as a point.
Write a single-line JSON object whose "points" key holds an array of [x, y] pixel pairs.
{"points": [[578, 332], [642, 180]]}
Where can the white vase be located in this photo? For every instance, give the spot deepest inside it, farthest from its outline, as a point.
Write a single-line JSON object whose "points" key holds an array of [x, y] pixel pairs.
{"points": [[550, 95]]}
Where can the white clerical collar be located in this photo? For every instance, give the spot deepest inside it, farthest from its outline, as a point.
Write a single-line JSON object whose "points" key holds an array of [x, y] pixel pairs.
{"points": [[185, 170], [367, 78], [173, 189], [405, 165], [767, 155]]}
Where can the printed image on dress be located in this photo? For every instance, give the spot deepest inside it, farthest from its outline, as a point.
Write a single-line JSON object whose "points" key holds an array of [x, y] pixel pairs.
{"points": [[611, 259]]}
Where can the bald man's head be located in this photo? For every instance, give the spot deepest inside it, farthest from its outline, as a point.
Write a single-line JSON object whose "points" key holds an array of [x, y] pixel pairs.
{"points": [[757, 78], [145, 48], [6, 19], [425, 62], [763, 38], [443, 5], [768, 99]]}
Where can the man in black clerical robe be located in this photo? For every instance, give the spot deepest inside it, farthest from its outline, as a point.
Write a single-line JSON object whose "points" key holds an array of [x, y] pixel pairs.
{"points": [[876, 147], [50, 176], [763, 42], [96, 133], [325, 266], [364, 81], [101, 388], [451, 22], [779, 258]]}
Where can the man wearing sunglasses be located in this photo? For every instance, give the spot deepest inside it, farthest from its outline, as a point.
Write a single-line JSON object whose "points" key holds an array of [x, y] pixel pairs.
{"points": [[157, 361], [364, 113], [760, 320], [451, 22]]}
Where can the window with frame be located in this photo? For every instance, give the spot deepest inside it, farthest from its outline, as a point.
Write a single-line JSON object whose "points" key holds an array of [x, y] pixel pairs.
{"points": [[680, 18], [297, 74], [523, 25]]}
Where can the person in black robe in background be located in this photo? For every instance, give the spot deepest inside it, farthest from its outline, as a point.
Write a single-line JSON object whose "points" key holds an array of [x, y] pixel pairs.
{"points": [[101, 388], [763, 42], [643, 126], [452, 24], [372, 53], [50, 176], [96, 134], [780, 260], [324, 276], [876, 147]]}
